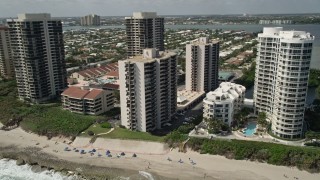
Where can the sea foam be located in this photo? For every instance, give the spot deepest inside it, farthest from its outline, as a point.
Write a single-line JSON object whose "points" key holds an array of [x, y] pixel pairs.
{"points": [[10, 171]]}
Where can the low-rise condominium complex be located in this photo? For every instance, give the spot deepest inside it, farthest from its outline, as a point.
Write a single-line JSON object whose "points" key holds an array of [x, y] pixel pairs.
{"points": [[224, 102], [87, 100]]}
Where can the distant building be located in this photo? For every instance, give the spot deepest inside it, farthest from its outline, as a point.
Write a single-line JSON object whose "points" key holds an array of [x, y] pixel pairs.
{"points": [[144, 30], [281, 81], [202, 60], [6, 59], [90, 20], [148, 90], [38, 54], [87, 101], [277, 21], [224, 102]]}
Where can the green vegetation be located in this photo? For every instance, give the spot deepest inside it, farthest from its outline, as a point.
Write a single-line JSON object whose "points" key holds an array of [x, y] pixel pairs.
{"points": [[49, 119], [276, 154], [240, 117], [247, 79], [121, 133], [97, 129], [312, 135], [52, 120], [215, 126], [175, 138], [262, 119], [112, 112], [106, 125]]}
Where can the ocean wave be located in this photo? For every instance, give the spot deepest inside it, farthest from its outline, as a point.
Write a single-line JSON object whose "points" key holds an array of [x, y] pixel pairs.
{"points": [[10, 171], [146, 175]]}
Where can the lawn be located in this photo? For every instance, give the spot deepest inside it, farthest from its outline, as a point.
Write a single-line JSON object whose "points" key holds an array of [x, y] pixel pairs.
{"points": [[96, 129], [120, 133]]}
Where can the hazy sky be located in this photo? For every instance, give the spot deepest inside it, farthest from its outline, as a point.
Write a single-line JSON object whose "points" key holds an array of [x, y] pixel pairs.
{"points": [[10, 8]]}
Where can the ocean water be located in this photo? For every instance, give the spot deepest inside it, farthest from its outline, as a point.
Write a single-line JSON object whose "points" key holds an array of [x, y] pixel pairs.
{"points": [[10, 171]]}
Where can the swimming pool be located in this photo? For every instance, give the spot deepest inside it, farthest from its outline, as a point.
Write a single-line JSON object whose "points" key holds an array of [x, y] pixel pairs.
{"points": [[251, 129]]}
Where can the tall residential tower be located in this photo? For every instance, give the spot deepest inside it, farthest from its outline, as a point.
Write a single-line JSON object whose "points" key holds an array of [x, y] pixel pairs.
{"points": [[144, 30], [202, 60], [90, 20], [281, 79], [6, 60], [148, 90], [38, 52]]}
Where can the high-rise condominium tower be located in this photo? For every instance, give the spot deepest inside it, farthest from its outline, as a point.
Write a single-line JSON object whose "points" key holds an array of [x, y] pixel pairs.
{"points": [[38, 52], [148, 90], [6, 60], [90, 20], [281, 79], [144, 30], [202, 60]]}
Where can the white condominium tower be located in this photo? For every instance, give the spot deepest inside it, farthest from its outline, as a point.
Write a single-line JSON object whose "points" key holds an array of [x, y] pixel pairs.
{"points": [[148, 90], [90, 20], [38, 52], [202, 60], [281, 79], [144, 30], [6, 60]]}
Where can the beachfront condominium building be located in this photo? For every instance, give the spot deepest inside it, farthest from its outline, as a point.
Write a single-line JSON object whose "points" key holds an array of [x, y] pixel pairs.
{"points": [[38, 53], [281, 79], [224, 102], [86, 100], [148, 90], [6, 60], [90, 20], [144, 30], [202, 60]]}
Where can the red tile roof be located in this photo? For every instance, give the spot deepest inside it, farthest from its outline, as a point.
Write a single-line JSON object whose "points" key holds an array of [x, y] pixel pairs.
{"points": [[109, 86], [75, 92], [93, 94], [113, 73]]}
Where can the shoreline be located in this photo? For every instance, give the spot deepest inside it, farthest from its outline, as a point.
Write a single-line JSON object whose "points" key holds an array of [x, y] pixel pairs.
{"points": [[50, 153]]}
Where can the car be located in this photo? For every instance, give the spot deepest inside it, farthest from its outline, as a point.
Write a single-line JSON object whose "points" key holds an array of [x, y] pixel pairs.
{"points": [[180, 114], [185, 123], [167, 124]]}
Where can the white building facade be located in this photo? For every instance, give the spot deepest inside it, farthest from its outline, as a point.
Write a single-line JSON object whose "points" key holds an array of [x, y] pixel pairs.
{"points": [[6, 60], [39, 58], [202, 60], [224, 102], [148, 90], [144, 30], [281, 79]]}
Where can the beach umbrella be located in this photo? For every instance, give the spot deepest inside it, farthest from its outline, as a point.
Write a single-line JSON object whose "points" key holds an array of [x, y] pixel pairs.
{"points": [[123, 154], [93, 150], [134, 155]]}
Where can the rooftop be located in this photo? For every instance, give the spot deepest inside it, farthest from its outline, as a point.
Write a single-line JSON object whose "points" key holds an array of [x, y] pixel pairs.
{"points": [[79, 93]]}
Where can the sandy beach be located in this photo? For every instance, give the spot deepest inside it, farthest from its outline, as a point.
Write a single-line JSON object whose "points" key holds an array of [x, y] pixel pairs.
{"points": [[152, 157]]}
